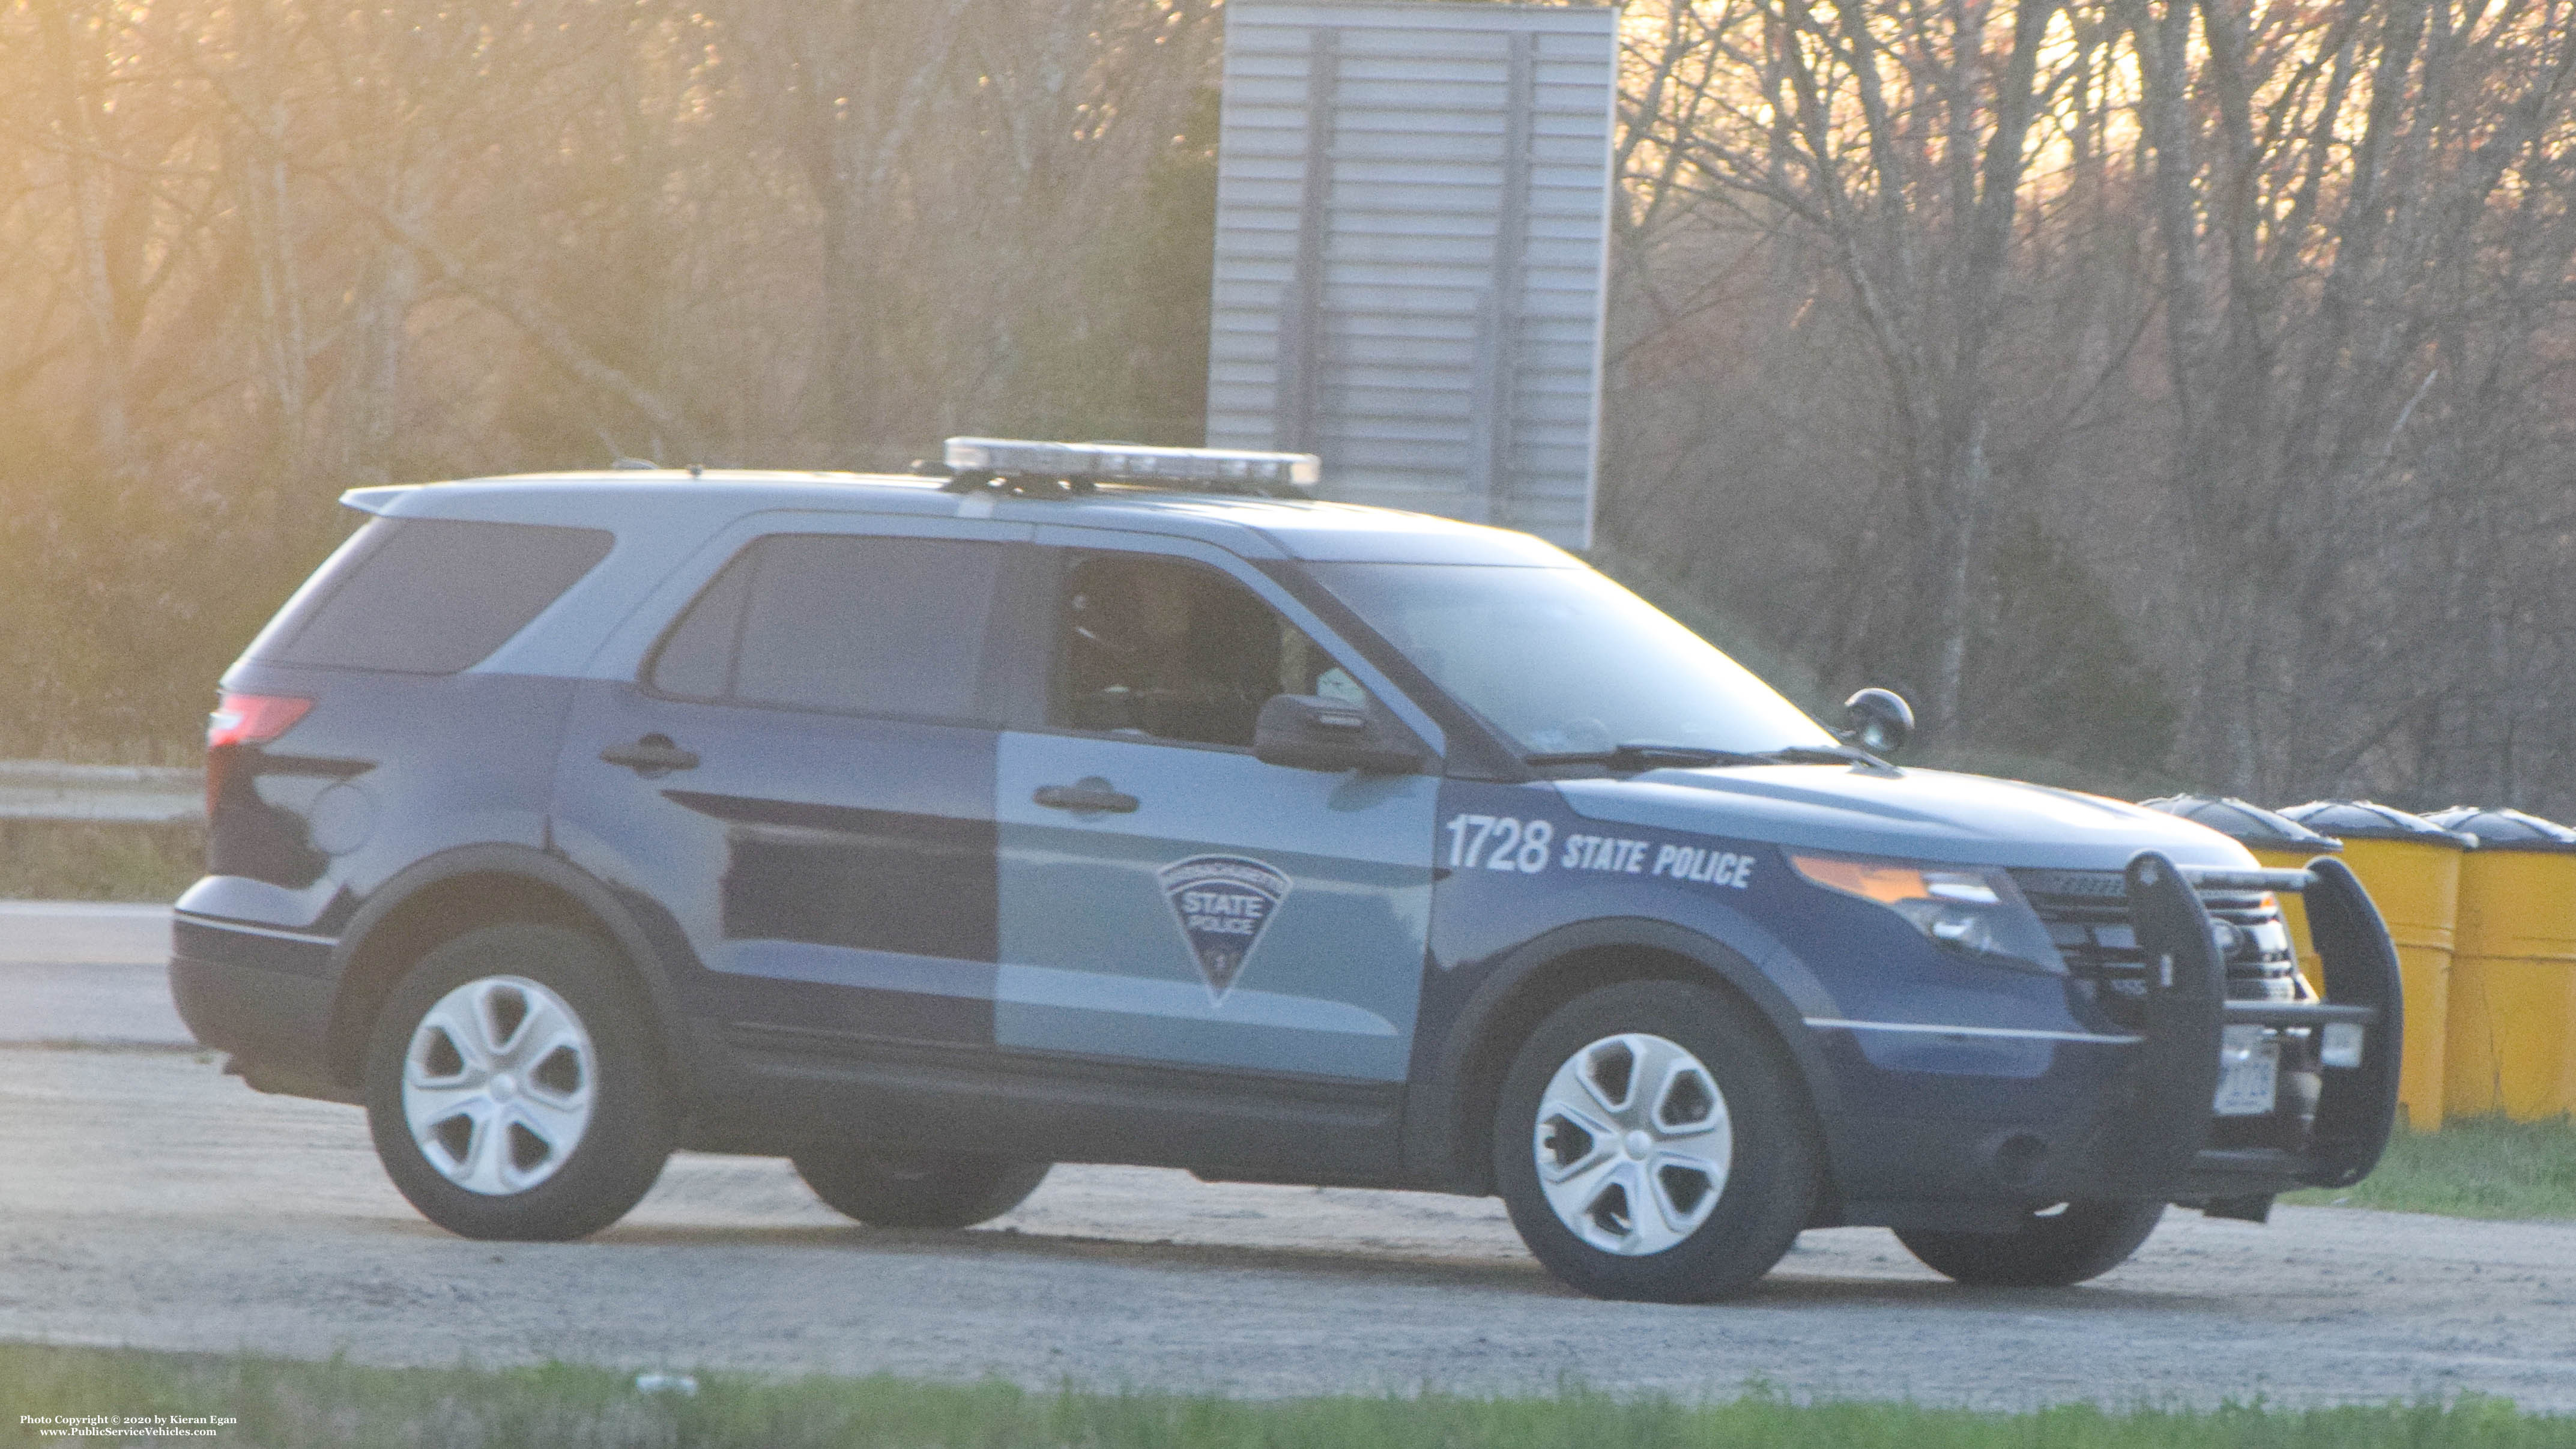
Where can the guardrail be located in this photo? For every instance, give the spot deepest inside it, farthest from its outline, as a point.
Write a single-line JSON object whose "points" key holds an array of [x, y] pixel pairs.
{"points": [[122, 794]]}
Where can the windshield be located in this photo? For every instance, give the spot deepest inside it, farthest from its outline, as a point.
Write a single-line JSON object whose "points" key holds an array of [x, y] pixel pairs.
{"points": [[1563, 661]]}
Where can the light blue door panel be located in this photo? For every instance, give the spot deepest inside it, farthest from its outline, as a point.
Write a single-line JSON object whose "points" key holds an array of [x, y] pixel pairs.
{"points": [[1107, 950]]}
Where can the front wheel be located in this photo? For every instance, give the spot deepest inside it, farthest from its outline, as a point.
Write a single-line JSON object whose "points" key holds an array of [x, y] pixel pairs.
{"points": [[1652, 1144], [513, 1087], [917, 1192], [2052, 1248]]}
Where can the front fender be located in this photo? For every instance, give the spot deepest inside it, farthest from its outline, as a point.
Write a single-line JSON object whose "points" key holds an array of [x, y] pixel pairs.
{"points": [[1449, 1099]]}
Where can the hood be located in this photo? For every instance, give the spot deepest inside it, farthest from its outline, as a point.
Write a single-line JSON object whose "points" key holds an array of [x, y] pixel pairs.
{"points": [[1914, 814]]}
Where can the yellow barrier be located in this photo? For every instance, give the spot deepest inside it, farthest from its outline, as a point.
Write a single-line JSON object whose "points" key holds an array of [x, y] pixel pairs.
{"points": [[2513, 977], [2294, 910], [2278, 842], [2411, 867]]}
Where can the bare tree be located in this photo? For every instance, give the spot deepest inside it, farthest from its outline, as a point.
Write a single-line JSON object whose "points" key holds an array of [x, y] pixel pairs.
{"points": [[2079, 365], [2355, 273]]}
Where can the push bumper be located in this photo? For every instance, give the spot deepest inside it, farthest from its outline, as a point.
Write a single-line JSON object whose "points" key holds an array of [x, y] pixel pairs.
{"points": [[2162, 1148]]}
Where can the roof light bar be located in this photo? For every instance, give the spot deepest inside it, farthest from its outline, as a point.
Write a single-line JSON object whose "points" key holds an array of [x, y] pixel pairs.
{"points": [[1135, 463]]}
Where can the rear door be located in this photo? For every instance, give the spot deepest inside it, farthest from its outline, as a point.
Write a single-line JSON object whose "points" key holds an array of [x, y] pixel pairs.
{"points": [[799, 776]]}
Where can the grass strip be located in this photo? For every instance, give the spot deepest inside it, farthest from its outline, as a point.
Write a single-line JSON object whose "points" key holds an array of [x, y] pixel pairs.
{"points": [[274, 1404], [2474, 1167], [80, 860]]}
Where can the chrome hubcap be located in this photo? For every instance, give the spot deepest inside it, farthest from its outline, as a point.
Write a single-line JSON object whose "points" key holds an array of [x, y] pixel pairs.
{"points": [[1632, 1144], [497, 1084]]}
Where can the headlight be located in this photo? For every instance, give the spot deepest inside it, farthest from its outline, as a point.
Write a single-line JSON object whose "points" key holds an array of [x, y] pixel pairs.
{"points": [[1974, 910]]}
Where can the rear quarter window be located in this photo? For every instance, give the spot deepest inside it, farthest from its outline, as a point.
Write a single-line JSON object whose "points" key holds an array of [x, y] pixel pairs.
{"points": [[428, 595]]}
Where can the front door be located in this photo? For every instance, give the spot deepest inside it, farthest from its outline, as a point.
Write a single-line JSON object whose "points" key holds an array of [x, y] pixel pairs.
{"points": [[1166, 897]]}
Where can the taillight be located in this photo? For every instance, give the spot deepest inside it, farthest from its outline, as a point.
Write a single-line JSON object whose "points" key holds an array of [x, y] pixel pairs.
{"points": [[252, 719], [244, 719]]}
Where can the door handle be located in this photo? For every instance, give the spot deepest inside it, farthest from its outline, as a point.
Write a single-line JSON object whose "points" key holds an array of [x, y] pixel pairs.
{"points": [[1087, 794], [650, 756]]}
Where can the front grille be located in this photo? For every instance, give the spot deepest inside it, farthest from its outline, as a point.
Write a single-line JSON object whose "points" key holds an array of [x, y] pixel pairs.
{"points": [[2087, 913]]}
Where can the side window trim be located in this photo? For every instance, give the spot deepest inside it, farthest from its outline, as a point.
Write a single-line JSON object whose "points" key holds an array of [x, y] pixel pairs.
{"points": [[1062, 540]]}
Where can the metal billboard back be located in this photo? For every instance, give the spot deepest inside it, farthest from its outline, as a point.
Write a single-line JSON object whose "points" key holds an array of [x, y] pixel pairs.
{"points": [[1413, 205]]}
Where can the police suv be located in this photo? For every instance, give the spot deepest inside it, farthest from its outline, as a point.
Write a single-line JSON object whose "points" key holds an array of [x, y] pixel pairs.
{"points": [[1104, 804]]}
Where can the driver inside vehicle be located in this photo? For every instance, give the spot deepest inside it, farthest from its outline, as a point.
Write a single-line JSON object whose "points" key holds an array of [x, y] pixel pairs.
{"points": [[1174, 651]]}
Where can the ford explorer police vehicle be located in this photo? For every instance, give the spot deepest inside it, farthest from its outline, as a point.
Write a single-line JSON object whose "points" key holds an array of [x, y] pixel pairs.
{"points": [[1088, 803]]}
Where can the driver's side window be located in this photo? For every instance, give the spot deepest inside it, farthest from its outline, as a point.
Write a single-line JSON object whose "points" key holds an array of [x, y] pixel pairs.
{"points": [[1172, 650]]}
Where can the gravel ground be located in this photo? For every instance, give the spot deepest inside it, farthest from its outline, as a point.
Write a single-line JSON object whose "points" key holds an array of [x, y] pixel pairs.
{"points": [[146, 1199]]}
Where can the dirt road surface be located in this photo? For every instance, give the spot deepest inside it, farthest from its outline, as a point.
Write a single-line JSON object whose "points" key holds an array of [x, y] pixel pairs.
{"points": [[146, 1199]]}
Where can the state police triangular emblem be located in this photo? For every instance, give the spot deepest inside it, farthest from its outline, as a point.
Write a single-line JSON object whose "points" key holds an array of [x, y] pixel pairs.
{"points": [[1223, 903]]}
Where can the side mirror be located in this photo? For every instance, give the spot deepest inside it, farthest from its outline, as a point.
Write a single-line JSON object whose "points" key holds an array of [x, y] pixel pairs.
{"points": [[1309, 732], [1880, 721]]}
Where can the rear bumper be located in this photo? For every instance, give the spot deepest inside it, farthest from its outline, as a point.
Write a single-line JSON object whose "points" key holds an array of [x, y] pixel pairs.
{"points": [[263, 995]]}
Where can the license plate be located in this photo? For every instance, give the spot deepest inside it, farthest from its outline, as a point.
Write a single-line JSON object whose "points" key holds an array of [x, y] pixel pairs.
{"points": [[2249, 1071]]}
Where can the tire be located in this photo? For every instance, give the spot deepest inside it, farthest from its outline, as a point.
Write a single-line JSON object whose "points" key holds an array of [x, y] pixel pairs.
{"points": [[514, 1086], [1729, 1160], [2049, 1249], [918, 1192]]}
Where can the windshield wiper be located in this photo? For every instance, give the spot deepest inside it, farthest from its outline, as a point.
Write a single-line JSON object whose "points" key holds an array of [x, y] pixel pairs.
{"points": [[1825, 755], [1645, 755], [1649, 756]]}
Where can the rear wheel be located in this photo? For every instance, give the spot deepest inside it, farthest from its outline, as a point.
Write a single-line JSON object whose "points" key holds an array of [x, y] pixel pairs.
{"points": [[513, 1087], [918, 1191], [2053, 1248], [1651, 1144]]}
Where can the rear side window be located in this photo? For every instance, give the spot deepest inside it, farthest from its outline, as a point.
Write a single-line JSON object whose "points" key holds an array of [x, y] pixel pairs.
{"points": [[429, 595], [837, 622]]}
